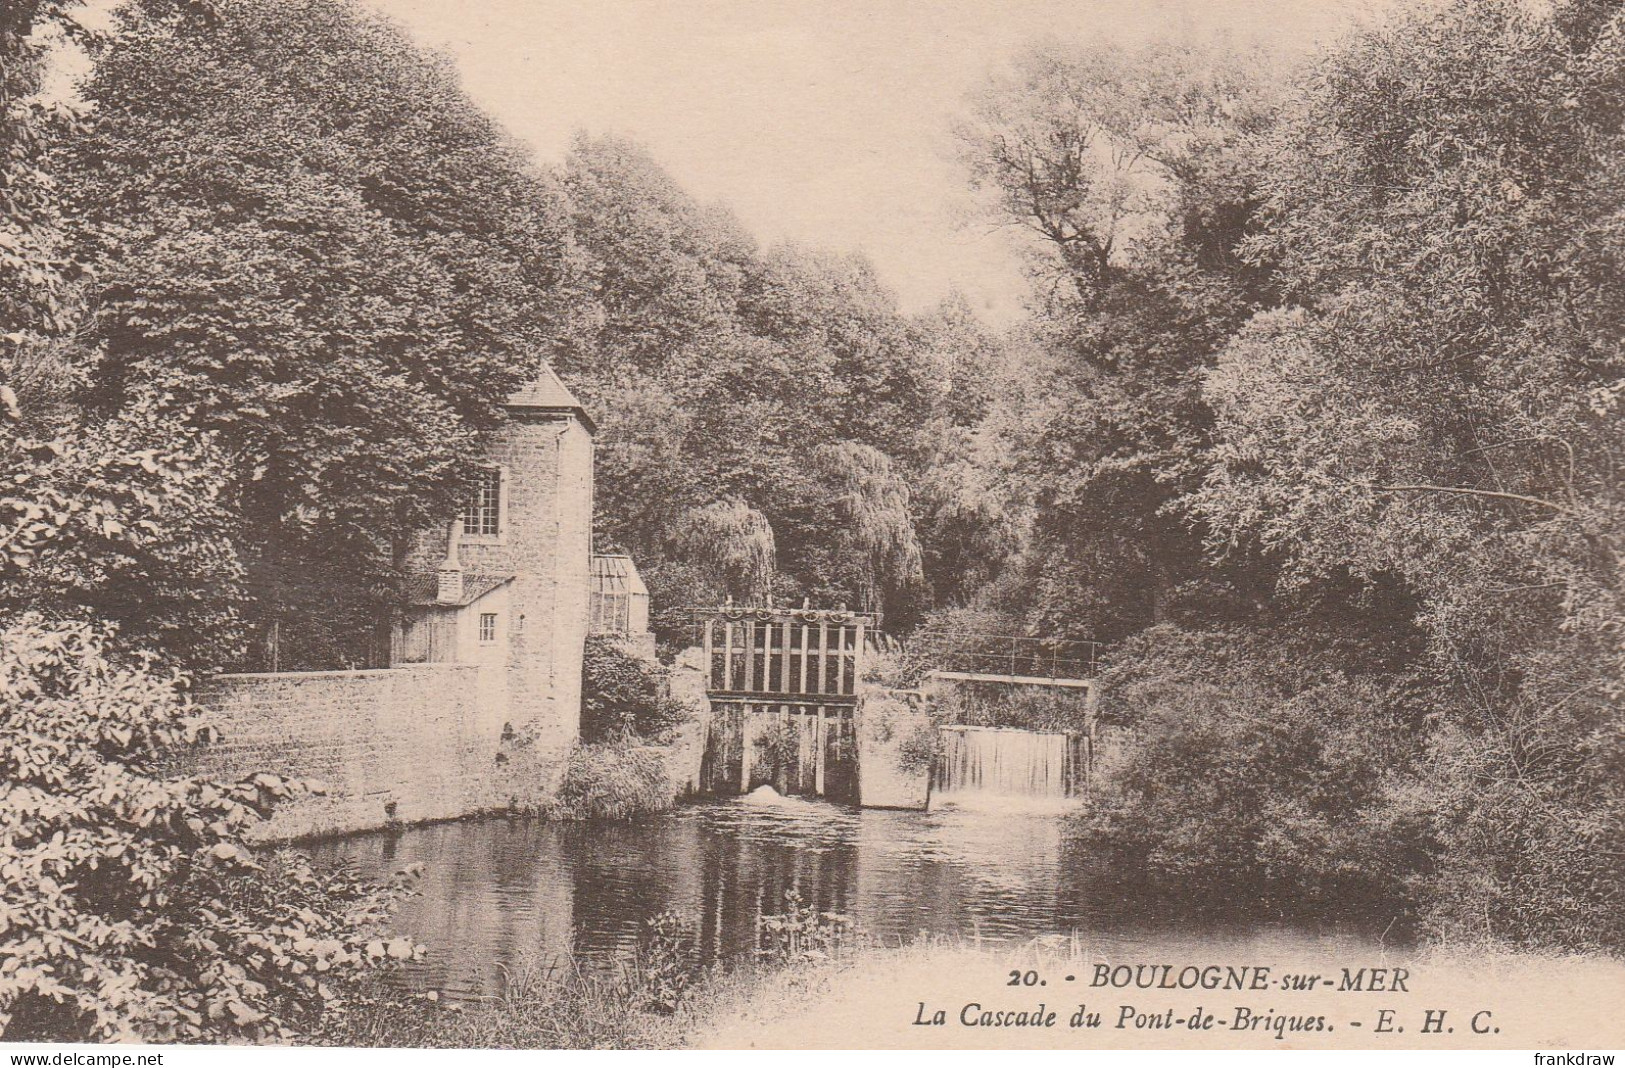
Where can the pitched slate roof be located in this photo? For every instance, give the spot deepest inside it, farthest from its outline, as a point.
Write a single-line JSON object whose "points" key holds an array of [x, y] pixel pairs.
{"points": [[420, 588], [547, 393]]}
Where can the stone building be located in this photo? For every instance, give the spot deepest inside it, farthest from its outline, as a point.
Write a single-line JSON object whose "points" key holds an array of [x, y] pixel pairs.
{"points": [[507, 586], [482, 697]]}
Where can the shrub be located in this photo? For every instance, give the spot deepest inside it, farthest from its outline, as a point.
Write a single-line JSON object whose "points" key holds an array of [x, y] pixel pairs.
{"points": [[668, 962], [548, 1004], [130, 905], [611, 782], [1528, 858], [944, 634], [1247, 758], [625, 695], [801, 933], [1237, 772], [124, 522], [994, 704], [918, 750]]}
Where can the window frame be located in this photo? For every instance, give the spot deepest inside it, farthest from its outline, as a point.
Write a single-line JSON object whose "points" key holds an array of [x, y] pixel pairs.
{"points": [[501, 536], [479, 628]]}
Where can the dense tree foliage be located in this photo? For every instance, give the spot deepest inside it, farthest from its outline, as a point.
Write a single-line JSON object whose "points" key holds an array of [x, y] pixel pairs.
{"points": [[311, 246], [1135, 174], [768, 415], [131, 907], [130, 904], [1441, 405], [1337, 370], [33, 273], [123, 522]]}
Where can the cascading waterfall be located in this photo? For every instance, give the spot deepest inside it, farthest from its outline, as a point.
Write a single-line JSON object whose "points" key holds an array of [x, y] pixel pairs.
{"points": [[993, 767]]}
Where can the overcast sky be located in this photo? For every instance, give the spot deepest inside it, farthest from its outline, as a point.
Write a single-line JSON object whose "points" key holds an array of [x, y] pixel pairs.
{"points": [[822, 121]]}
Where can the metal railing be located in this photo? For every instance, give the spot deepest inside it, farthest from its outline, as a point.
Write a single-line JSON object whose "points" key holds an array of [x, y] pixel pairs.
{"points": [[1016, 655]]}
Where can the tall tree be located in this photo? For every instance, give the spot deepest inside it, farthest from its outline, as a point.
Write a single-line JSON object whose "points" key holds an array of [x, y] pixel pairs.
{"points": [[727, 375], [35, 273], [113, 516], [311, 245], [1443, 403], [1134, 172]]}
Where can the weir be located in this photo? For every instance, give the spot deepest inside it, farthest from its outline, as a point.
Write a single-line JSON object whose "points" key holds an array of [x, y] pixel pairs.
{"points": [[801, 750], [993, 767], [783, 688], [783, 685]]}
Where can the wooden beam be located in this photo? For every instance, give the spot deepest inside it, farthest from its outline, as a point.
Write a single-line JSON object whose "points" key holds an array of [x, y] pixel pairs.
{"points": [[806, 655], [745, 747], [818, 753], [784, 657], [710, 653], [857, 658]]}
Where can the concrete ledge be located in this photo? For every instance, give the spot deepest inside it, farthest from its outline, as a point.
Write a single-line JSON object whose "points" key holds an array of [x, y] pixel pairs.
{"points": [[358, 673], [1018, 680]]}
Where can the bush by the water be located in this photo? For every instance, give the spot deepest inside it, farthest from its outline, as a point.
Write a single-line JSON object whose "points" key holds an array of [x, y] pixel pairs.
{"points": [[655, 1001], [1034, 708], [1243, 760], [131, 907], [1240, 766], [543, 1005], [612, 781], [626, 694], [668, 962]]}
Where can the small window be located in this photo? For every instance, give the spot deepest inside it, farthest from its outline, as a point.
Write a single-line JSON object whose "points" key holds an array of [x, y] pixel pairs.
{"points": [[482, 516], [488, 627]]}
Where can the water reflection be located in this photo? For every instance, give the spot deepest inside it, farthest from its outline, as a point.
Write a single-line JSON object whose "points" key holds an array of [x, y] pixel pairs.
{"points": [[497, 895]]}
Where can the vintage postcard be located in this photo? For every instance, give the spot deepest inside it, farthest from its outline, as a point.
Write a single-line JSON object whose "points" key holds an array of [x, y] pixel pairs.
{"points": [[812, 524]]}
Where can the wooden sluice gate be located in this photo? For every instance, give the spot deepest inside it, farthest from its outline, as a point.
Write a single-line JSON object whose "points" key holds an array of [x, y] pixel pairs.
{"points": [[784, 688], [783, 685]]}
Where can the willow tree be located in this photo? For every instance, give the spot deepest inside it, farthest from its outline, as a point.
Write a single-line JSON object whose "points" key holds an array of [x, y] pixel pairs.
{"points": [[870, 513], [733, 546]]}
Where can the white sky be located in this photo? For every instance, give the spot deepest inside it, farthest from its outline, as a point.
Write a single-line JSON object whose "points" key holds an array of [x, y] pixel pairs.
{"points": [[821, 121]]}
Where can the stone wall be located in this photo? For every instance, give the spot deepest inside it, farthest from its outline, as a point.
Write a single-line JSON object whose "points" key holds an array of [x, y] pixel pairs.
{"points": [[685, 760], [407, 744], [896, 744]]}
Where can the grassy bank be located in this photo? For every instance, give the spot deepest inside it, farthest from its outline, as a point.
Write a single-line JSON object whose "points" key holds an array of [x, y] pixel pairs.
{"points": [[872, 997], [612, 781], [559, 1007], [655, 1001]]}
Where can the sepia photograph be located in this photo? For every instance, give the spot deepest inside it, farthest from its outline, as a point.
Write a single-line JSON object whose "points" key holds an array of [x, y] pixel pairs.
{"points": [[1089, 525]]}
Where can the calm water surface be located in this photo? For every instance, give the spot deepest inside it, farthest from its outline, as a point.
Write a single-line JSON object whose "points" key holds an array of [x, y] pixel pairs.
{"points": [[500, 895]]}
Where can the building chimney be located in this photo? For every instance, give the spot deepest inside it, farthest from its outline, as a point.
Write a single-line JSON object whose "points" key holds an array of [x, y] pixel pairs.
{"points": [[449, 579]]}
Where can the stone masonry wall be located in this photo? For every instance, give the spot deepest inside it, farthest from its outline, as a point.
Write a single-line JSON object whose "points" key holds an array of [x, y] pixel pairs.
{"points": [[402, 744], [546, 542], [896, 743]]}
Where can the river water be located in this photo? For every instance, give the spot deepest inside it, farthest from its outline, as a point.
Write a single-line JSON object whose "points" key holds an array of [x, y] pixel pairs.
{"points": [[497, 896]]}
